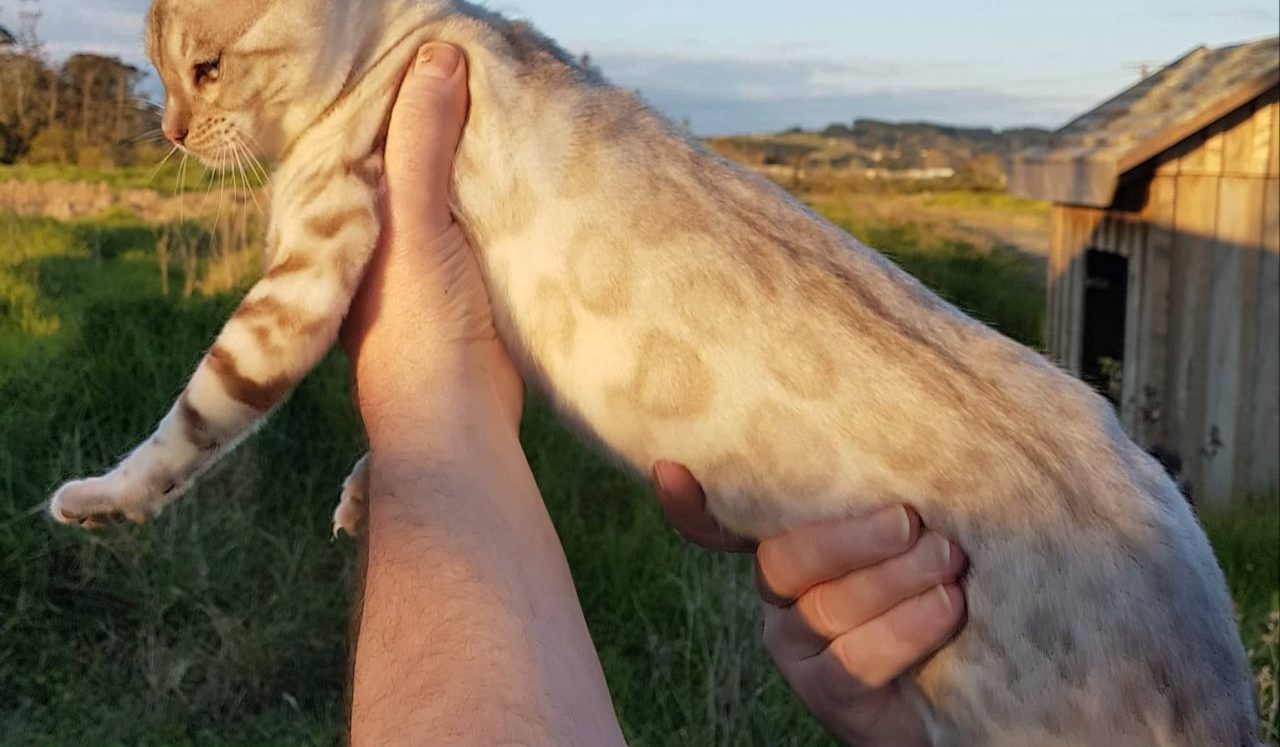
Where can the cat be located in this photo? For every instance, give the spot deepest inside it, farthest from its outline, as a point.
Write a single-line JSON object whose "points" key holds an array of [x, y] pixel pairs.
{"points": [[673, 306]]}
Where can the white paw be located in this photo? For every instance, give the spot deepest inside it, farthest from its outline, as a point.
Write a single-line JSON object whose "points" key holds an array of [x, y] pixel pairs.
{"points": [[349, 515], [95, 502]]}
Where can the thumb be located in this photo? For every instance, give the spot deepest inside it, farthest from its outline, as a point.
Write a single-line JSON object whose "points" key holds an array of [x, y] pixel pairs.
{"points": [[426, 126], [685, 505]]}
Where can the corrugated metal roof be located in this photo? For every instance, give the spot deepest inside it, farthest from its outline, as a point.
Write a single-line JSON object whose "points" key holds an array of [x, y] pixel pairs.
{"points": [[1084, 160]]}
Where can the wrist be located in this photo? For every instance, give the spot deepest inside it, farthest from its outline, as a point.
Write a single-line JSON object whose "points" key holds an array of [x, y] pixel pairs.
{"points": [[416, 396]]}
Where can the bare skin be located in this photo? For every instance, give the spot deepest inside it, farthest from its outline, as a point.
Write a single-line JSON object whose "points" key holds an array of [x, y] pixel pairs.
{"points": [[849, 606], [470, 630]]}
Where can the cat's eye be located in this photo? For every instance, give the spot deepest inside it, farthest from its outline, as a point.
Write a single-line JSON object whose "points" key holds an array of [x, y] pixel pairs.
{"points": [[207, 72]]}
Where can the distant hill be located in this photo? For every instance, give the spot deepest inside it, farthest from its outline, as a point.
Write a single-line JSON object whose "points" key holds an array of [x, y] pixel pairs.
{"points": [[878, 149]]}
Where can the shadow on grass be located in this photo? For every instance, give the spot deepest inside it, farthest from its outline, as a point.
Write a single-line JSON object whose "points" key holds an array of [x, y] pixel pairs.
{"points": [[225, 621], [228, 615]]}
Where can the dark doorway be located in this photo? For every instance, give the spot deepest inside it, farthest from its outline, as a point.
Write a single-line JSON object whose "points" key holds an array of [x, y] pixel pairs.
{"points": [[1105, 299]]}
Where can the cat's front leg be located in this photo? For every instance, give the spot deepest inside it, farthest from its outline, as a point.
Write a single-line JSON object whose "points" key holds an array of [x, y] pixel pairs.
{"points": [[354, 503], [326, 225]]}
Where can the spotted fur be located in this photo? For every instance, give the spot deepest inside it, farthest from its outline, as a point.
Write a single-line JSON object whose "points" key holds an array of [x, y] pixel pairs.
{"points": [[675, 307]]}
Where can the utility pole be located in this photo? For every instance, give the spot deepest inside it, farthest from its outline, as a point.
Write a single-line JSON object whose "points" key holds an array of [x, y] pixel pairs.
{"points": [[1144, 69]]}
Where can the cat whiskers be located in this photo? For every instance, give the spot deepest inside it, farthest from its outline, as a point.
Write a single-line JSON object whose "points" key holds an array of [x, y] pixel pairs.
{"points": [[151, 177], [222, 182], [239, 150], [179, 187], [153, 135], [250, 143]]}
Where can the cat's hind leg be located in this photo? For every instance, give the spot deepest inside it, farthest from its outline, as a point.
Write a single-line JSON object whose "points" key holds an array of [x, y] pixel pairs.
{"points": [[354, 503]]}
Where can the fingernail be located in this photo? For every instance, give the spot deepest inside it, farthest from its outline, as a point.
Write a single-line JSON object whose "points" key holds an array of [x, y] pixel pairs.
{"points": [[892, 527], [657, 478], [437, 60], [935, 554], [944, 599]]}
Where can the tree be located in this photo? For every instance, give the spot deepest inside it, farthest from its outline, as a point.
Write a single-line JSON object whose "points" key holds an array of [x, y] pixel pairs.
{"points": [[589, 65], [86, 110], [104, 88]]}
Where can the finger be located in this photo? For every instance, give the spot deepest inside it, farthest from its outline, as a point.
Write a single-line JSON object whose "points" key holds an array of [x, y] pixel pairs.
{"points": [[790, 564], [871, 656], [829, 610], [685, 504], [426, 126]]}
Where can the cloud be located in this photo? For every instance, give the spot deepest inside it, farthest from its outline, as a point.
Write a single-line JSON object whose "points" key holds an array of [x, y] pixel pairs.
{"points": [[1247, 14], [798, 83], [114, 27], [734, 95], [723, 115], [1263, 16]]}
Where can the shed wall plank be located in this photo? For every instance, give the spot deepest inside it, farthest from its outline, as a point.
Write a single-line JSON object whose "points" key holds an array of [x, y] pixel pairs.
{"points": [[1273, 160], [1152, 386], [1085, 224], [1130, 399], [1264, 461], [1053, 301], [1232, 305], [1237, 142], [1206, 160], [1073, 292], [1260, 149], [1195, 223]]}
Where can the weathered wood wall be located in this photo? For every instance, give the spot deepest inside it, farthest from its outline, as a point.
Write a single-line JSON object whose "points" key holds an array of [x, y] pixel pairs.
{"points": [[1201, 228]]}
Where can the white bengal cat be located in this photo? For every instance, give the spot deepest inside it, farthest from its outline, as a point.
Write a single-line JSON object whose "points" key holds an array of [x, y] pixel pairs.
{"points": [[676, 307]]}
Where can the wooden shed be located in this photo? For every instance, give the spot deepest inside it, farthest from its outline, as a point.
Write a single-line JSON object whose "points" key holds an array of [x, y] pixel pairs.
{"points": [[1164, 270]]}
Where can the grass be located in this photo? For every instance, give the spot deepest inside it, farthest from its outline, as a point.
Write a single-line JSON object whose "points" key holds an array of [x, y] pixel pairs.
{"points": [[1245, 540], [1002, 287], [225, 622], [167, 178], [999, 201]]}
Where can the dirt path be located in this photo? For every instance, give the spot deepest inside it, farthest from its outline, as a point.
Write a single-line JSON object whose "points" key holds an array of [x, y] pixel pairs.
{"points": [[81, 200]]}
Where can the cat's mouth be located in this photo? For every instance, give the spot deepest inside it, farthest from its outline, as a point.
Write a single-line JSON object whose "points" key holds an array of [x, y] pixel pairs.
{"points": [[228, 159]]}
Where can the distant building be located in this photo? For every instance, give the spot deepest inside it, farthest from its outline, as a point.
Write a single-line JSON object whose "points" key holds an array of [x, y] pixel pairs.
{"points": [[1164, 272]]}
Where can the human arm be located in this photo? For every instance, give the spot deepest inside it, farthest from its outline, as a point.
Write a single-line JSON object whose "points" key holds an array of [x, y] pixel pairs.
{"points": [[470, 630], [849, 606]]}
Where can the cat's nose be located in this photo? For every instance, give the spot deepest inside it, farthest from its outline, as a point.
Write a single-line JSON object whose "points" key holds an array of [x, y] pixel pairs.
{"points": [[176, 136]]}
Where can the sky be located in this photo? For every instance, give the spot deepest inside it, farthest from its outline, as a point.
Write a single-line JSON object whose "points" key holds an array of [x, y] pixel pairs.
{"points": [[737, 66]]}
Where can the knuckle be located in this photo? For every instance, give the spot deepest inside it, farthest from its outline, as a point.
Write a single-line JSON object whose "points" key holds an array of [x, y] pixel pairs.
{"points": [[767, 564], [851, 660], [925, 621], [814, 610], [774, 636]]}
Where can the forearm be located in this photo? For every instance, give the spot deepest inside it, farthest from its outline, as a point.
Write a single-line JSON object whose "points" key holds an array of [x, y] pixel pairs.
{"points": [[471, 631]]}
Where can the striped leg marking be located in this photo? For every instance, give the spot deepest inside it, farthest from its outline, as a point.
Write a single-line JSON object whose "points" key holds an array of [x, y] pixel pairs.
{"points": [[285, 325]]}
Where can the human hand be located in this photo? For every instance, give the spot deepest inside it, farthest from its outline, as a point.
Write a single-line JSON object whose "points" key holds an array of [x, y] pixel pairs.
{"points": [[849, 606], [422, 316]]}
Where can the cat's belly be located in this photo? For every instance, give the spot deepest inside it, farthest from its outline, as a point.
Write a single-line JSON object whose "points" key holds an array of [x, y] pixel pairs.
{"points": [[650, 367]]}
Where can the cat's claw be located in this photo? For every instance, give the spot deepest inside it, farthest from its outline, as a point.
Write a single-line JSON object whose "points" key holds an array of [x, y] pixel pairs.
{"points": [[349, 515], [93, 503], [353, 505]]}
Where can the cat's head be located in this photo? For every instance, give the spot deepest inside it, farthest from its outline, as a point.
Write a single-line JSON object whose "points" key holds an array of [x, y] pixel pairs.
{"points": [[245, 74]]}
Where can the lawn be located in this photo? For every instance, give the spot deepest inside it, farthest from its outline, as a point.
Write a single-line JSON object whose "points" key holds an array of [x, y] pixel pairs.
{"points": [[167, 175], [225, 622]]}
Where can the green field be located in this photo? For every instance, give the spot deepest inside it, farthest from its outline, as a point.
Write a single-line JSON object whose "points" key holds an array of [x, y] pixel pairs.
{"points": [[225, 622], [168, 177]]}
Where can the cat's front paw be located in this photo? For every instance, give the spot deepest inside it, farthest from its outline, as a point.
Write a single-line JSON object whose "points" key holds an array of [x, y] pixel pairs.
{"points": [[353, 506], [95, 502]]}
